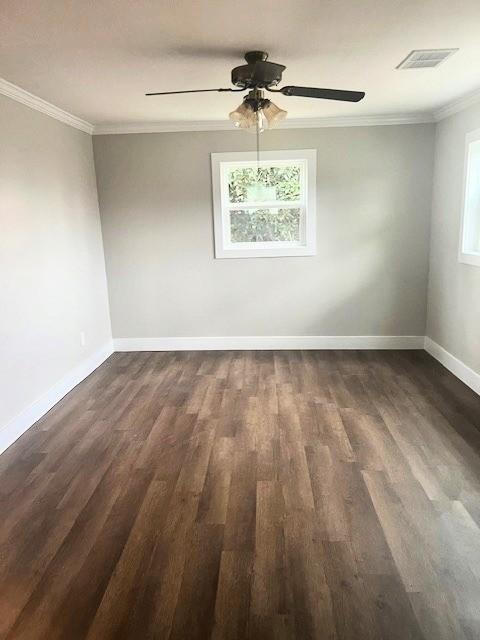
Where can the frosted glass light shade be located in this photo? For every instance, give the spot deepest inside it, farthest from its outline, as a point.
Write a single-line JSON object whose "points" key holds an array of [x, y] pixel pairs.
{"points": [[273, 114], [243, 117]]}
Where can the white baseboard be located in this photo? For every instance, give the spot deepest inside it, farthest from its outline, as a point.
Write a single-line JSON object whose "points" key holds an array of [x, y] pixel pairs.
{"points": [[470, 377], [227, 343], [14, 429]]}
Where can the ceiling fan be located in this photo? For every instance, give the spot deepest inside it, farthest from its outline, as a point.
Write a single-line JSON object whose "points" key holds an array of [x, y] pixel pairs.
{"points": [[258, 75]]}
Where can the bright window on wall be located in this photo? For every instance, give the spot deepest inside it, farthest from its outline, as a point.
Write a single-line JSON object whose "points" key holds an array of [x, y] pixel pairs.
{"points": [[470, 230], [264, 208]]}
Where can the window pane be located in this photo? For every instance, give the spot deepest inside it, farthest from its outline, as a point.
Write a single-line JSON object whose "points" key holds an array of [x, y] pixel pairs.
{"points": [[471, 237], [281, 182], [265, 225]]}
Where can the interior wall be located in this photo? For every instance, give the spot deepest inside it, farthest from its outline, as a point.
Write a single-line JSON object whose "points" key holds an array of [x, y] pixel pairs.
{"points": [[52, 270], [369, 276], [454, 288]]}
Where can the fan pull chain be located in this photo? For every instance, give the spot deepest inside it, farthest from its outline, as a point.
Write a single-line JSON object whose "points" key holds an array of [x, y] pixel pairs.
{"points": [[258, 146]]}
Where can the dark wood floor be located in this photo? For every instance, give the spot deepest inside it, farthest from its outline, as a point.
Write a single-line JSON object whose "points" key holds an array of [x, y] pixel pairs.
{"points": [[261, 495]]}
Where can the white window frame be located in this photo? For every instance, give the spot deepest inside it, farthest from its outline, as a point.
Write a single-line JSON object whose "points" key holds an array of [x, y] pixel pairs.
{"points": [[465, 254], [222, 162]]}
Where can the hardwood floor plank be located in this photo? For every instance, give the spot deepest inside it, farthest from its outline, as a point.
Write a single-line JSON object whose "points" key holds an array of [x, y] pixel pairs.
{"points": [[241, 510], [194, 613], [354, 612], [311, 596], [268, 598], [159, 591], [216, 488], [232, 604], [113, 615]]}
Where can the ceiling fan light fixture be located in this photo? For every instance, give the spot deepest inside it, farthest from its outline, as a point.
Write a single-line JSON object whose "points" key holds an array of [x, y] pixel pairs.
{"points": [[256, 113], [258, 122], [273, 114], [243, 116]]}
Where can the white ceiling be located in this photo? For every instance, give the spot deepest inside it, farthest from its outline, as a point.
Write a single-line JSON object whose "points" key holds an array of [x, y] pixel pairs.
{"points": [[96, 58]]}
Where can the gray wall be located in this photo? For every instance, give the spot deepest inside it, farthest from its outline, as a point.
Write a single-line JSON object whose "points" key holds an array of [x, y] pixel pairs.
{"points": [[454, 288], [52, 272], [369, 276]]}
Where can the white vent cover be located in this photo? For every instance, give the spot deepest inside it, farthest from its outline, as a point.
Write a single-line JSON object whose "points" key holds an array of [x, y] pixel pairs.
{"points": [[425, 58]]}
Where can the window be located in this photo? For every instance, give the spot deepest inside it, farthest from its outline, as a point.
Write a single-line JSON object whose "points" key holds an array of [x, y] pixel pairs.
{"points": [[265, 209], [470, 231]]}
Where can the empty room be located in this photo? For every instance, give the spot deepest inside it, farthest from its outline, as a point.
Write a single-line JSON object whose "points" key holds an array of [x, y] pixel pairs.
{"points": [[239, 320]]}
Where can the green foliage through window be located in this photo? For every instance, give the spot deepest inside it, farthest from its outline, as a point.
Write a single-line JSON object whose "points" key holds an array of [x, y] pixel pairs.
{"points": [[285, 179], [265, 225]]}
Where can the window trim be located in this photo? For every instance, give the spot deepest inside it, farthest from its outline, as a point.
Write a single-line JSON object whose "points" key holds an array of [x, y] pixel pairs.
{"points": [[467, 256], [223, 248]]}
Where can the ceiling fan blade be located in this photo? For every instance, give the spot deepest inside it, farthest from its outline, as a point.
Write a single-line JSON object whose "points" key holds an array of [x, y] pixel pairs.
{"points": [[326, 94], [169, 93]]}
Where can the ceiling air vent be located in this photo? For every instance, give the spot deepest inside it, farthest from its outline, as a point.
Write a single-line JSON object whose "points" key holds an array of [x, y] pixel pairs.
{"points": [[425, 58]]}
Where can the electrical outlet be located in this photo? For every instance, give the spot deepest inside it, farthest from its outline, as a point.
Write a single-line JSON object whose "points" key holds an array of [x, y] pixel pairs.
{"points": [[83, 340]]}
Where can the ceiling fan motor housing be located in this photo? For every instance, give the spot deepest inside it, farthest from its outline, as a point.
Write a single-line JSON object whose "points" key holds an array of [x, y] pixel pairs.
{"points": [[258, 73]]}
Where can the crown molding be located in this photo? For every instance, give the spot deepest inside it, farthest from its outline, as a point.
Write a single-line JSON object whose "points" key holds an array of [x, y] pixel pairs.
{"points": [[34, 102], [457, 105], [292, 123]]}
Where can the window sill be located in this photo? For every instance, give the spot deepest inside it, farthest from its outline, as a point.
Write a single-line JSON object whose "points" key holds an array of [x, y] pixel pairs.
{"points": [[284, 252], [469, 258]]}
